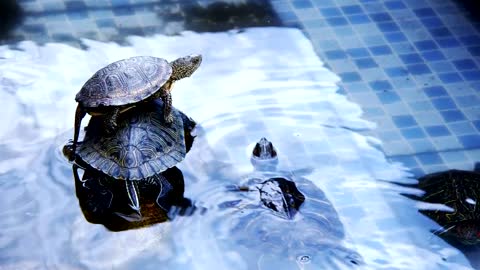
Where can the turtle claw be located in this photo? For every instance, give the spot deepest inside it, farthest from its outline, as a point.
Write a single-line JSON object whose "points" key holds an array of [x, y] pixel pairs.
{"points": [[168, 119]]}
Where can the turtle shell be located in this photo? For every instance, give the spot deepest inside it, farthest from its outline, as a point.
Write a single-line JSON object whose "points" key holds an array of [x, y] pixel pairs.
{"points": [[457, 189], [124, 82], [141, 146]]}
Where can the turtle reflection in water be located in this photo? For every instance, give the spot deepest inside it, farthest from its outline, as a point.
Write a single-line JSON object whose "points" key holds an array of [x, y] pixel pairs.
{"points": [[102, 201], [141, 147], [307, 223], [460, 191]]}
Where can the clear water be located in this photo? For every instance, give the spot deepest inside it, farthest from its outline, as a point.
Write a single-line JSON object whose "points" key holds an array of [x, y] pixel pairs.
{"points": [[260, 82]]}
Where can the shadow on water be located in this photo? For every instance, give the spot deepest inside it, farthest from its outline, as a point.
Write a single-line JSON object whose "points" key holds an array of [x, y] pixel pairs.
{"points": [[11, 15], [223, 16]]}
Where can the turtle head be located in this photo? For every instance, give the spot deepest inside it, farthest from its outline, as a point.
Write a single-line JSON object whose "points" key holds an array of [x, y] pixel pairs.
{"points": [[185, 66], [264, 155]]}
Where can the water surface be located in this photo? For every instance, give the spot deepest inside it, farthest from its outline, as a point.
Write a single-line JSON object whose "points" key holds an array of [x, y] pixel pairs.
{"points": [[254, 83]]}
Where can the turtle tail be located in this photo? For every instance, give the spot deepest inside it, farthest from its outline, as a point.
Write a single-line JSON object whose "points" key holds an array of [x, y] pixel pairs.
{"points": [[132, 192], [79, 114]]}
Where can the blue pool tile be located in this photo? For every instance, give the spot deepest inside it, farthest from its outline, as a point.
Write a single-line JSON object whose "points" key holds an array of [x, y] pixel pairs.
{"points": [[388, 97], [364, 63], [123, 11], [75, 5], [358, 19], [120, 2], [412, 133], [353, 9], [432, 22], [470, 40], [403, 48], [433, 56], [394, 5], [425, 45], [288, 16], [464, 64], [424, 12], [451, 77], [331, 12], [418, 69], [444, 103], [102, 23], [335, 54], [421, 106], [442, 67], [475, 50], [452, 116], [358, 52], [453, 157], [422, 145], [429, 158], [337, 21], [411, 58], [381, 85], [350, 76], [300, 4], [470, 141], [380, 50], [435, 91], [437, 131], [403, 121], [448, 42], [373, 112], [476, 124], [396, 72], [388, 27], [77, 15], [461, 128], [467, 101], [395, 37], [381, 17], [471, 75], [408, 161], [441, 32]]}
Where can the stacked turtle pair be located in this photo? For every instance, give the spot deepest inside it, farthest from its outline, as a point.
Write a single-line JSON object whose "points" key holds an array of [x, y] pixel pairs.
{"points": [[132, 135]]}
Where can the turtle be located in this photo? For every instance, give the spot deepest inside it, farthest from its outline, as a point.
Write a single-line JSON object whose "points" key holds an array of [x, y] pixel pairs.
{"points": [[306, 223], [121, 85], [140, 147], [459, 190], [102, 201]]}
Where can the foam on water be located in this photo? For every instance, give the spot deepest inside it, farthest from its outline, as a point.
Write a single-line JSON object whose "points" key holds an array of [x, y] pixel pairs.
{"points": [[259, 82]]}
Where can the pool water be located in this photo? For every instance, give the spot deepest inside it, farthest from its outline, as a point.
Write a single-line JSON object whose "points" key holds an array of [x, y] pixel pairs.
{"points": [[257, 82]]}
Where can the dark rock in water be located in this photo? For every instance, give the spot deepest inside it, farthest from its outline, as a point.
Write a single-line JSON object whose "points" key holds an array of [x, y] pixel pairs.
{"points": [[103, 200], [460, 191]]}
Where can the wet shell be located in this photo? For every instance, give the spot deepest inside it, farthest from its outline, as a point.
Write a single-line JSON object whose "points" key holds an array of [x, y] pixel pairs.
{"points": [[124, 82], [141, 147]]}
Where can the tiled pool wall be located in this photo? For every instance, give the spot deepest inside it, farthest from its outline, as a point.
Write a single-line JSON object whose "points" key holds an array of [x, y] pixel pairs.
{"points": [[412, 65]]}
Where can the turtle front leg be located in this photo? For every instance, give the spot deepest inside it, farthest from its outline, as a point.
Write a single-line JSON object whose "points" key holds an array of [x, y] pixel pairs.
{"points": [[111, 120], [167, 107]]}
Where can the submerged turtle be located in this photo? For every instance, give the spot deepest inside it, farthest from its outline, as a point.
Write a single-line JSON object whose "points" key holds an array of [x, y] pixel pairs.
{"points": [[307, 224], [121, 85], [140, 147], [102, 201], [460, 191]]}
